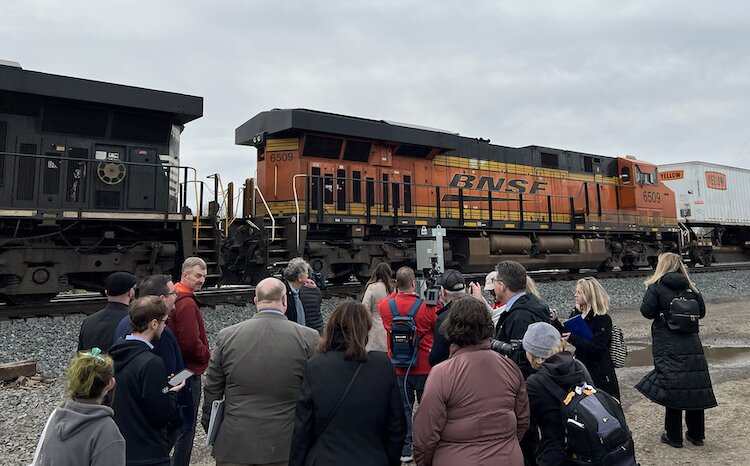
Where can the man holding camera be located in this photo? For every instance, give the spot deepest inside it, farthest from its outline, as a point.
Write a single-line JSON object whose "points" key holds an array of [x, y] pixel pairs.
{"points": [[452, 286], [522, 309]]}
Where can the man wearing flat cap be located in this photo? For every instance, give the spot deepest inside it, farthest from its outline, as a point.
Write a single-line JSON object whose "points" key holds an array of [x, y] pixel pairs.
{"points": [[98, 330], [453, 286]]}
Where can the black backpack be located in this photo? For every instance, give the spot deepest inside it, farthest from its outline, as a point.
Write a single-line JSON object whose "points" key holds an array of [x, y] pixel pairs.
{"points": [[683, 314], [404, 340], [594, 427]]}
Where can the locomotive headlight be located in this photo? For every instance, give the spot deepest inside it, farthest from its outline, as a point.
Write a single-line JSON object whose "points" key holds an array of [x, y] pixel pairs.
{"points": [[40, 276], [259, 139]]}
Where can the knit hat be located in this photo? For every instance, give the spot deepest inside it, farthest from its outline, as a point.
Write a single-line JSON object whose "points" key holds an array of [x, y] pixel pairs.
{"points": [[119, 283], [452, 280], [489, 281], [540, 338]]}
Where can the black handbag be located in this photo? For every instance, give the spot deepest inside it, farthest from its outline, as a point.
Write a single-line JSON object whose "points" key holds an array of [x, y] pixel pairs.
{"points": [[683, 315]]}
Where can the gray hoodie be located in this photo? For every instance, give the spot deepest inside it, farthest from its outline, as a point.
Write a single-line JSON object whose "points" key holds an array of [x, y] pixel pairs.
{"points": [[82, 434]]}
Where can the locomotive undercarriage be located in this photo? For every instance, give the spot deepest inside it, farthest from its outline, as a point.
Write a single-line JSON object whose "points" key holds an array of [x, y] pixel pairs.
{"points": [[342, 251], [42, 257]]}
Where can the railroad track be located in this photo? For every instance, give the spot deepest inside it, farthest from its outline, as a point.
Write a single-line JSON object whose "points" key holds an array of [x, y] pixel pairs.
{"points": [[88, 303]]}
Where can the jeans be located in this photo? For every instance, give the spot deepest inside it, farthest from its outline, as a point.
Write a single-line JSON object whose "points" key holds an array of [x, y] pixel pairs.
{"points": [[411, 388], [183, 447], [694, 419]]}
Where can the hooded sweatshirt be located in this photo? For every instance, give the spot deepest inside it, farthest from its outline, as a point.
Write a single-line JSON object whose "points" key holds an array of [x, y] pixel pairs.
{"points": [[563, 371], [142, 409], [82, 434]]}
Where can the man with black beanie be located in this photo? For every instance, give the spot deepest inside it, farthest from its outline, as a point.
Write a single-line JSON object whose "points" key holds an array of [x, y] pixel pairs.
{"points": [[98, 330]]}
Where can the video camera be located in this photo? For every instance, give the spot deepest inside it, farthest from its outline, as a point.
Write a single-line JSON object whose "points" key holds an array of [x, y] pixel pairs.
{"points": [[431, 280]]}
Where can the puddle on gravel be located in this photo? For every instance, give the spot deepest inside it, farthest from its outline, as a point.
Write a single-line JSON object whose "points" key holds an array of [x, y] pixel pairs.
{"points": [[715, 355]]}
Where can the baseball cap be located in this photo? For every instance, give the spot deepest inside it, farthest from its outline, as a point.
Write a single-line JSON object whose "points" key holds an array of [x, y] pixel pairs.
{"points": [[489, 281], [119, 283], [452, 280]]}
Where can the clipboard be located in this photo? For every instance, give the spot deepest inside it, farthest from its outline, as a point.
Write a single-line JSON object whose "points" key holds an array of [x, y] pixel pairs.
{"points": [[579, 327], [217, 415]]}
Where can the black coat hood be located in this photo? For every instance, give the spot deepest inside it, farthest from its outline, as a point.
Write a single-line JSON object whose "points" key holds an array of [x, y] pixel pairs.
{"points": [[675, 281]]}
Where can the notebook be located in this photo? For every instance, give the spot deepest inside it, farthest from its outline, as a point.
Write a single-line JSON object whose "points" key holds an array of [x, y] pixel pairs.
{"points": [[217, 415], [579, 326]]}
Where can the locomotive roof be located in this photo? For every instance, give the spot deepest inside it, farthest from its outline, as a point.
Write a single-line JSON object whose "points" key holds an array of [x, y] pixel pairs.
{"points": [[280, 122], [289, 122], [183, 108]]}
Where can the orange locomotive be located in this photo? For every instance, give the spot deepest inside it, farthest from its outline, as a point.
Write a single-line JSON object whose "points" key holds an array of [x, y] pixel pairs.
{"points": [[347, 193]]}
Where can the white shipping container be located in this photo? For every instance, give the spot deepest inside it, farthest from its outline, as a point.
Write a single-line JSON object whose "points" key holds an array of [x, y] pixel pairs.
{"points": [[708, 193]]}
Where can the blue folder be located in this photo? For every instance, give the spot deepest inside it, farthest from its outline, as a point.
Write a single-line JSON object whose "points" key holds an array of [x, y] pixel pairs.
{"points": [[579, 326]]}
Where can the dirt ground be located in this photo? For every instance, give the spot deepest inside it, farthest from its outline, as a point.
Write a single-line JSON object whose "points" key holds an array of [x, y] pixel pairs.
{"points": [[727, 426]]}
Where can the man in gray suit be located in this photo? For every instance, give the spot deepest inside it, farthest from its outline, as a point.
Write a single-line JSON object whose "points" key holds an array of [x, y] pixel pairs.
{"points": [[258, 366]]}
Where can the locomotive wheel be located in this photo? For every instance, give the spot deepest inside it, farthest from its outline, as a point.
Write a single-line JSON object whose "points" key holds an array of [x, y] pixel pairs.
{"points": [[29, 299], [605, 268]]}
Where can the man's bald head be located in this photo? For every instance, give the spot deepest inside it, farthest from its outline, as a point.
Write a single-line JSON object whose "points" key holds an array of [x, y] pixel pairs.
{"points": [[270, 293]]}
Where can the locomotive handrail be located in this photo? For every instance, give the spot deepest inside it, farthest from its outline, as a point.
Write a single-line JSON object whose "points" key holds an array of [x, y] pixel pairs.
{"points": [[270, 214], [296, 205], [548, 208]]}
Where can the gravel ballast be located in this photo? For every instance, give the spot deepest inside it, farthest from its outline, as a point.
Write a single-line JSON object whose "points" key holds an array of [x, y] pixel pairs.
{"points": [[52, 343]]}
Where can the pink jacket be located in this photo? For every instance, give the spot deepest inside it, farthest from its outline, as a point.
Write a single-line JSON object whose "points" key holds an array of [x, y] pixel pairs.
{"points": [[474, 411]]}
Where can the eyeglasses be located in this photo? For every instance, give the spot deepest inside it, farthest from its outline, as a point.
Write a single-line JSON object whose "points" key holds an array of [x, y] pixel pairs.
{"points": [[495, 280], [164, 320], [171, 293]]}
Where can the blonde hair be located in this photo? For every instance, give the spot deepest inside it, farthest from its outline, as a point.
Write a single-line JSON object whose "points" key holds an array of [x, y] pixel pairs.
{"points": [[536, 362], [596, 297], [670, 262], [89, 374], [193, 261], [531, 287]]}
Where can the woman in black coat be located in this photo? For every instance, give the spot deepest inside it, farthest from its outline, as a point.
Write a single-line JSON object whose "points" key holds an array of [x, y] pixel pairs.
{"points": [[369, 426], [680, 380], [593, 303]]}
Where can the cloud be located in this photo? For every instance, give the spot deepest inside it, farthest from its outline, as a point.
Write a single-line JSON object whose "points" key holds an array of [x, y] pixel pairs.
{"points": [[665, 81]]}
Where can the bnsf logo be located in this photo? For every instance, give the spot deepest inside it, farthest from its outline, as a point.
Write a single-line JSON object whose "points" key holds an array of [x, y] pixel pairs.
{"points": [[515, 185]]}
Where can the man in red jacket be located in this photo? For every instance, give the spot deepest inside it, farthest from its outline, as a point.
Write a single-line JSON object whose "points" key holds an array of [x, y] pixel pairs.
{"points": [[187, 324], [411, 382]]}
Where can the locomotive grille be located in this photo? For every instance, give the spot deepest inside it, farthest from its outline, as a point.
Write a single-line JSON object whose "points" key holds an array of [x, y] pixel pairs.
{"points": [[107, 200], [72, 120], [3, 139], [142, 128], [26, 173]]}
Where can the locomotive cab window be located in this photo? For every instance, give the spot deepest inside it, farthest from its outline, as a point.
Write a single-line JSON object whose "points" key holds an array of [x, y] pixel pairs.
{"points": [[625, 174], [645, 177], [319, 146]]}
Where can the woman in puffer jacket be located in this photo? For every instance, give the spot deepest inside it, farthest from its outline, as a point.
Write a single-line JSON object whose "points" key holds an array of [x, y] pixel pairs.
{"points": [[680, 380]]}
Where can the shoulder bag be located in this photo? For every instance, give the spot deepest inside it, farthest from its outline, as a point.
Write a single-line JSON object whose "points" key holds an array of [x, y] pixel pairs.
{"points": [[618, 350]]}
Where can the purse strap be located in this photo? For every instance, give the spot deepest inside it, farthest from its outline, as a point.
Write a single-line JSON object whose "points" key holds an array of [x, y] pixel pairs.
{"points": [[336, 407]]}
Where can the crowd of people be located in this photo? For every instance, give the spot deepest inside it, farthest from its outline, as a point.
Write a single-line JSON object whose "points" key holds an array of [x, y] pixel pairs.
{"points": [[386, 381]]}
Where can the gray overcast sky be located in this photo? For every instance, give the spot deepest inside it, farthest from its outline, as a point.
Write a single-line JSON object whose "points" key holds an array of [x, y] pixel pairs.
{"points": [[666, 81]]}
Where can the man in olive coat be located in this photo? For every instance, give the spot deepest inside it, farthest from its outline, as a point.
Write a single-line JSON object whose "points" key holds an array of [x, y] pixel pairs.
{"points": [[258, 366]]}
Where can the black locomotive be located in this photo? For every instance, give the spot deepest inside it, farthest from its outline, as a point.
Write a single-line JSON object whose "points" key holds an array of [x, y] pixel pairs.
{"points": [[90, 182]]}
